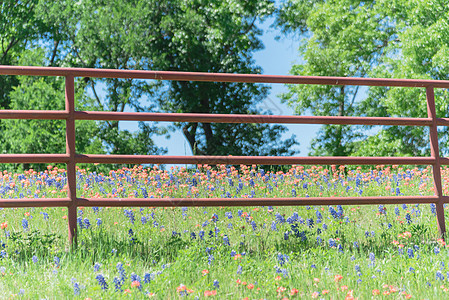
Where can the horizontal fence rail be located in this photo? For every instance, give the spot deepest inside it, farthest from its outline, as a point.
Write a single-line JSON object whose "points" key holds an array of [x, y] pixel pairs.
{"points": [[71, 158]]}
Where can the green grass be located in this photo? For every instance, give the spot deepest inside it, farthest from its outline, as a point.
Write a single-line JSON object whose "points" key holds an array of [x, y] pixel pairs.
{"points": [[162, 247]]}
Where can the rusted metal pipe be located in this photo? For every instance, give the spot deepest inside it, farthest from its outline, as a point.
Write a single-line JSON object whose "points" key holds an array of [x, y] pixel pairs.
{"points": [[435, 153], [298, 201], [248, 160], [70, 151], [219, 77]]}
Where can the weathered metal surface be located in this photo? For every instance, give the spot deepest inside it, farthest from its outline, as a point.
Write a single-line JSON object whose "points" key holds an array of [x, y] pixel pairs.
{"points": [[70, 151], [261, 160], [181, 202], [222, 118], [435, 153], [219, 77], [34, 158]]}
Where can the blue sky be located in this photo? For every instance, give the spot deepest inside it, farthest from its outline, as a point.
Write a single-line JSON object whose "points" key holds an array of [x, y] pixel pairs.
{"points": [[276, 59]]}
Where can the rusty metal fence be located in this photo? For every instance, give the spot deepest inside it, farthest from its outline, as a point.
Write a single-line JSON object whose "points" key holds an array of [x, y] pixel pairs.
{"points": [[71, 158]]}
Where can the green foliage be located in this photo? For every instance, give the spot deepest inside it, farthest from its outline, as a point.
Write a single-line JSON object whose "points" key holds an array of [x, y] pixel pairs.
{"points": [[22, 245], [145, 35], [386, 39], [45, 136]]}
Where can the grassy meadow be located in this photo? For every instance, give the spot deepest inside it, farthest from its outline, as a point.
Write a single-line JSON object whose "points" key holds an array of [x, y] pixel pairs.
{"points": [[323, 252]]}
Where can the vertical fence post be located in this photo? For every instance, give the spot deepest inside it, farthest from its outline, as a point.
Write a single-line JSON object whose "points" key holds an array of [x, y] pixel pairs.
{"points": [[70, 150], [435, 152]]}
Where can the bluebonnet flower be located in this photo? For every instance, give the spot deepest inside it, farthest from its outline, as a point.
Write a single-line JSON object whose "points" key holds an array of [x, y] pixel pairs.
{"points": [[102, 282], [226, 240], [410, 253], [273, 226], [86, 223], [313, 266], [121, 271], [239, 270], [132, 239], [340, 248], [228, 215], [433, 208], [216, 284], [333, 212], [135, 277], [99, 221], [396, 211], [230, 226], [215, 217], [96, 267], [201, 234], [280, 218], [45, 215], [3, 254], [76, 287], [34, 259], [439, 275], [57, 261], [310, 223], [130, 215], [356, 244], [147, 278], [408, 218], [118, 284], [253, 225], [372, 258], [233, 253], [192, 235], [25, 224], [411, 270], [286, 234], [357, 269], [332, 243], [210, 259], [79, 220], [282, 259], [436, 250], [293, 193], [319, 240]]}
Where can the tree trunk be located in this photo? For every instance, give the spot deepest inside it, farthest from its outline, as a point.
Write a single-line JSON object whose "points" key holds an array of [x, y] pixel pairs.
{"points": [[190, 136]]}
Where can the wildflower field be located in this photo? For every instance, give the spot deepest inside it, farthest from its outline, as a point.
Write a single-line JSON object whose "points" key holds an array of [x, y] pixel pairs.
{"points": [[323, 252]]}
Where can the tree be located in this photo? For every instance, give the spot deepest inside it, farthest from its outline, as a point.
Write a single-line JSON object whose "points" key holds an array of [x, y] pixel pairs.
{"points": [[158, 35], [45, 136], [386, 39], [217, 36], [106, 35], [339, 38], [18, 26]]}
